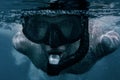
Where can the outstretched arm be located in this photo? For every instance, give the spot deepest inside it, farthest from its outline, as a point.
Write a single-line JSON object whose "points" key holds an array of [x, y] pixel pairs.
{"points": [[105, 36], [104, 40]]}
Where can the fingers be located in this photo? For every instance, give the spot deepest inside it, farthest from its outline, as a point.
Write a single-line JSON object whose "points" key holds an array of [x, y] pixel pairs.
{"points": [[110, 41]]}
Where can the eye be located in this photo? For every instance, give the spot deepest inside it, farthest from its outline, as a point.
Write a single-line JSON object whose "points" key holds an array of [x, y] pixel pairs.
{"points": [[66, 28], [36, 30], [42, 29]]}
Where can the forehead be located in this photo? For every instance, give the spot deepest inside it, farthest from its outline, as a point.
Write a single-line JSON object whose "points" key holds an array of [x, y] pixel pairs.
{"points": [[57, 18]]}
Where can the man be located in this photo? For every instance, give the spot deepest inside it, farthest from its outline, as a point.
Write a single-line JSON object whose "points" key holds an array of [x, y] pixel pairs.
{"points": [[57, 38]]}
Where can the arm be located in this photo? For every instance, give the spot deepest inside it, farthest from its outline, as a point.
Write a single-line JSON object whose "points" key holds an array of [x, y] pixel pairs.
{"points": [[104, 40], [31, 50]]}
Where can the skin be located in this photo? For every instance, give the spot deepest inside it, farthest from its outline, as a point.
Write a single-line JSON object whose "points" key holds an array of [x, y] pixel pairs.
{"points": [[103, 41]]}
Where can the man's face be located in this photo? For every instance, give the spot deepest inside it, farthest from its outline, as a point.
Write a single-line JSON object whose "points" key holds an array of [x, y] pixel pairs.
{"points": [[56, 33]]}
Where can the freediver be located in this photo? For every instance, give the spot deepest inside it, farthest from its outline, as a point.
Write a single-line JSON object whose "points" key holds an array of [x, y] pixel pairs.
{"points": [[58, 40]]}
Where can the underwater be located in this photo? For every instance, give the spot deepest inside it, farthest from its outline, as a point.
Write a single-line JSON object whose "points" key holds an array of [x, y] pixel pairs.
{"points": [[103, 21]]}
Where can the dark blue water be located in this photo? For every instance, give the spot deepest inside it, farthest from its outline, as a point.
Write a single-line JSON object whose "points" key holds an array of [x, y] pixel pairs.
{"points": [[14, 66]]}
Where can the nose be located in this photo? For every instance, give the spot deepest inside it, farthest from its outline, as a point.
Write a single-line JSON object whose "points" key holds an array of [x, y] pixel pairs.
{"points": [[53, 36]]}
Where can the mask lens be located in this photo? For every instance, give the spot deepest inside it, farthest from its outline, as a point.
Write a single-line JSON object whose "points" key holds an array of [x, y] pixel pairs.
{"points": [[66, 28], [71, 28], [35, 30]]}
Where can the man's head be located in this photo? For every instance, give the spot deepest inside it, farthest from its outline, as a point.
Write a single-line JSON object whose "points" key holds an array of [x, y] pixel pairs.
{"points": [[58, 28]]}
